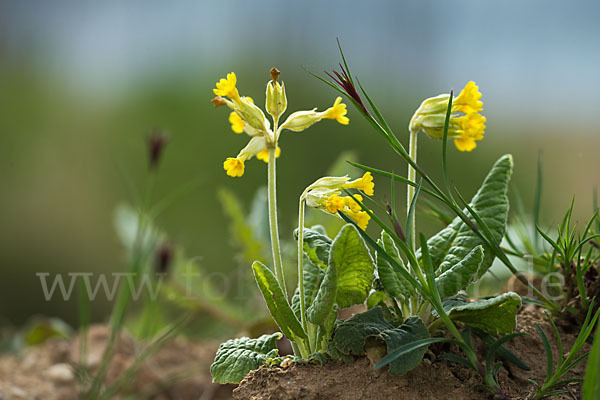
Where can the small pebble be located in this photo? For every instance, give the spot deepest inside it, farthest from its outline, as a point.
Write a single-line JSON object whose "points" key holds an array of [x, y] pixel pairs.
{"points": [[18, 392], [60, 373]]}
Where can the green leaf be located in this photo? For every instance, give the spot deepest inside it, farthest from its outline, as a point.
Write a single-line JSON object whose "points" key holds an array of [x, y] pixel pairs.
{"points": [[241, 231], [502, 352], [277, 302], [393, 282], [316, 246], [321, 308], [496, 315], [354, 267], [410, 331], [236, 357], [313, 276], [460, 275], [324, 330], [375, 298], [350, 337], [40, 329], [449, 246], [591, 384]]}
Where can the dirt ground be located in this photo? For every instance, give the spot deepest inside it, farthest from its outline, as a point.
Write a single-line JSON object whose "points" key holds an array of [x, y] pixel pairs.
{"points": [[430, 380], [180, 370]]}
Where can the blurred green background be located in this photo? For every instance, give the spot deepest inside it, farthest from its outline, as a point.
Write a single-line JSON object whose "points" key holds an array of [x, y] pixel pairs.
{"points": [[83, 82]]}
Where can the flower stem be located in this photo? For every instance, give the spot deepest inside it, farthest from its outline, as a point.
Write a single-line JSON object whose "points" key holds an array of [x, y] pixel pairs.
{"points": [[273, 226], [410, 193], [300, 261]]}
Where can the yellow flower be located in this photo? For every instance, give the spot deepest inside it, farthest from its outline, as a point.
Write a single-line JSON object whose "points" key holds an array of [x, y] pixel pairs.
{"points": [[352, 204], [249, 118], [464, 129], [338, 112], [468, 99], [365, 184], [237, 123], [325, 192], [226, 87], [473, 128], [361, 218], [465, 143], [234, 167], [348, 206], [335, 203], [263, 155]]}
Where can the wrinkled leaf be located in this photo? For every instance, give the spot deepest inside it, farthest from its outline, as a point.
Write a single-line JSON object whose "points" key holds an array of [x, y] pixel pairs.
{"points": [[277, 302], [324, 330], [461, 274], [496, 315], [393, 282], [351, 259], [411, 330], [351, 336], [321, 308], [316, 245], [449, 246], [236, 357]]}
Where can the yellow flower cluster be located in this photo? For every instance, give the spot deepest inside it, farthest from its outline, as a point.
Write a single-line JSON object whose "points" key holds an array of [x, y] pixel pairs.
{"points": [[324, 194], [348, 206], [247, 117], [465, 129]]}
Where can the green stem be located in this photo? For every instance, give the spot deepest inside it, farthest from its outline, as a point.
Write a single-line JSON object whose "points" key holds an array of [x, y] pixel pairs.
{"points": [[410, 193], [273, 226], [300, 261]]}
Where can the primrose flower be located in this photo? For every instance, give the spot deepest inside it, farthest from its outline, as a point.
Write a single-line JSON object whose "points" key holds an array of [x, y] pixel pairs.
{"points": [[466, 125], [325, 194], [246, 117]]}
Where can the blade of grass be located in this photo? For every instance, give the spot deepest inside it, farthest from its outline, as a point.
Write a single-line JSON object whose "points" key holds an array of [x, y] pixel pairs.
{"points": [[445, 146], [411, 212], [408, 348], [395, 176], [537, 196]]}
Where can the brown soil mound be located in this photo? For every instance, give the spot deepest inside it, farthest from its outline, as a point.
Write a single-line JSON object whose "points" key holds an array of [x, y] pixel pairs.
{"points": [[180, 370], [437, 380]]}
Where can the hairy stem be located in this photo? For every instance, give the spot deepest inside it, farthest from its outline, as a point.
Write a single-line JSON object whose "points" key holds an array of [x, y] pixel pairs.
{"points": [[273, 226], [300, 262], [410, 193]]}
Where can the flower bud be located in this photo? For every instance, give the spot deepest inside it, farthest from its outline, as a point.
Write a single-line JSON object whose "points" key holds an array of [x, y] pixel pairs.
{"points": [[276, 101], [157, 140], [252, 115], [300, 120], [163, 258]]}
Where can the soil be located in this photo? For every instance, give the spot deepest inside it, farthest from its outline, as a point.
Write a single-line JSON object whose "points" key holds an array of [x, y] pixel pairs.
{"points": [[180, 370], [430, 380]]}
